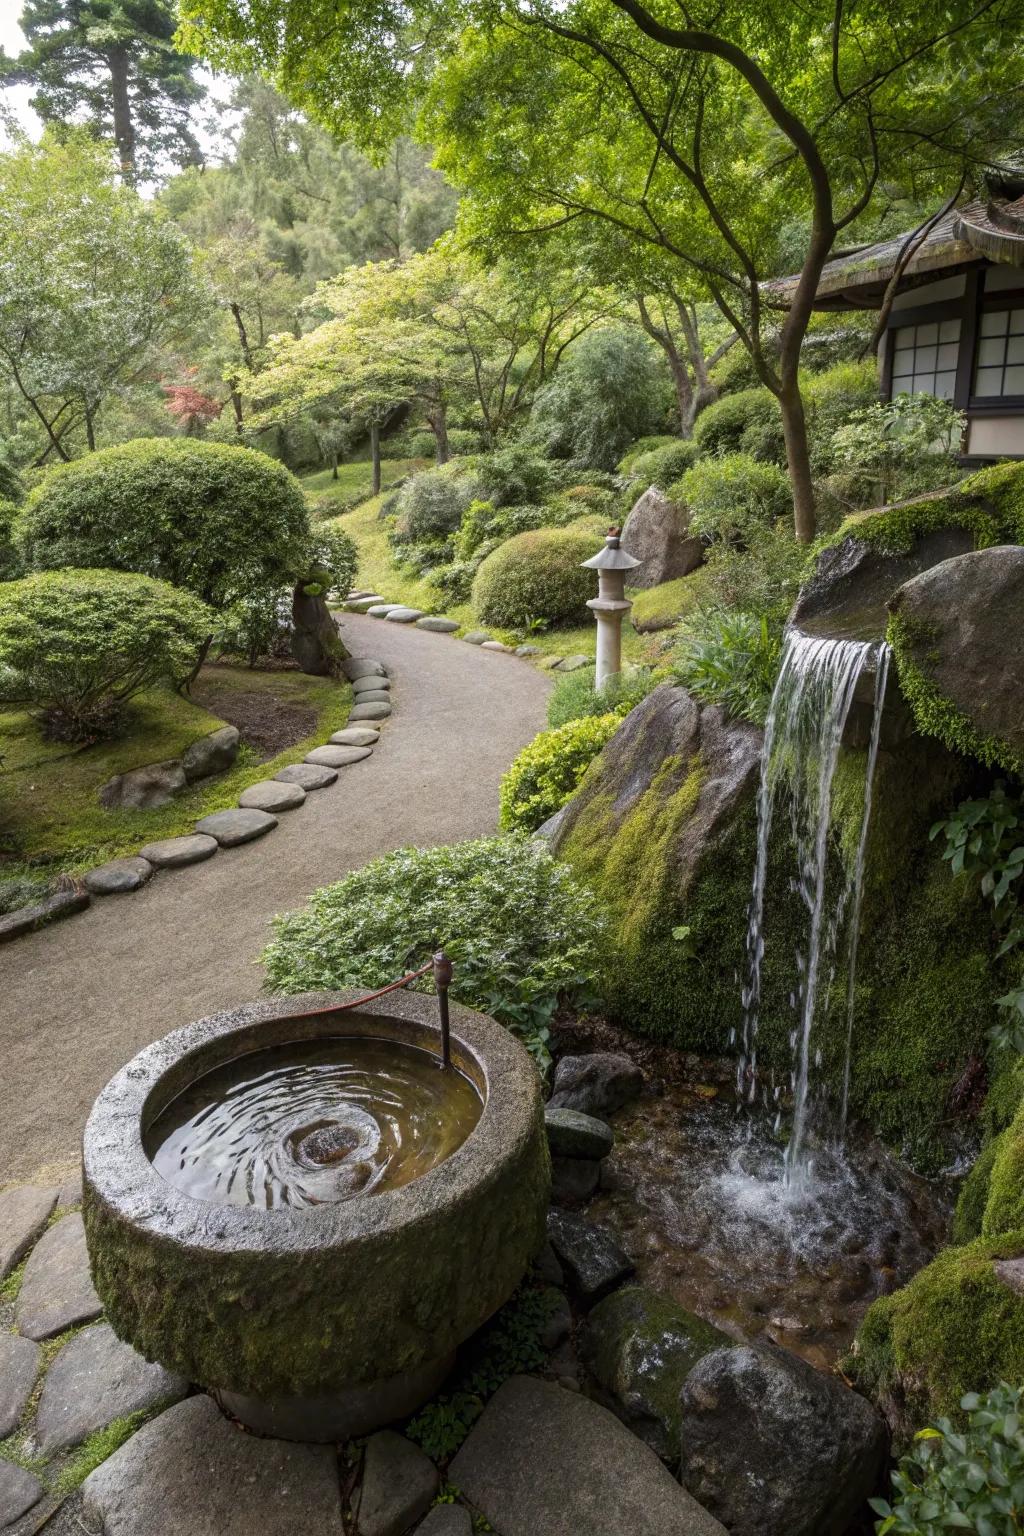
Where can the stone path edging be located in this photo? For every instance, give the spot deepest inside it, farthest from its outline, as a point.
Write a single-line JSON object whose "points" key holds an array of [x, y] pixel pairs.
{"points": [[376, 607]]}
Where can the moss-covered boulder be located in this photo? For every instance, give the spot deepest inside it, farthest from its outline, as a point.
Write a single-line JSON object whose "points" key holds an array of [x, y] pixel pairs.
{"points": [[957, 1327], [992, 1196], [640, 1346]]}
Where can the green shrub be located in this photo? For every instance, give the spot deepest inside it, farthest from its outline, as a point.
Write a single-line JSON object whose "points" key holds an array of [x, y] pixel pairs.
{"points": [[577, 500], [830, 398], [10, 559], [78, 644], [610, 390], [730, 659], [747, 422], [644, 446], [454, 581], [537, 576], [664, 465], [898, 448], [762, 576], [422, 444], [514, 477], [482, 521], [730, 495], [519, 929], [330, 561], [430, 505], [969, 1481], [549, 770], [219, 521], [574, 696]]}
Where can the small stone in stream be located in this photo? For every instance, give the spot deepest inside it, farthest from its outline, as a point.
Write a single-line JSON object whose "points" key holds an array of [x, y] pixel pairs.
{"points": [[233, 828], [597, 1084], [381, 610], [56, 1288], [573, 663], [496, 645], [574, 1179], [593, 1261], [404, 615], [308, 775], [574, 1134], [117, 877], [447, 1520], [271, 795], [24, 1212], [476, 637], [191, 1473], [362, 666], [375, 711], [19, 1492], [370, 684], [528, 650], [177, 852], [19, 1367], [437, 625], [337, 757], [356, 736], [399, 1484], [42, 913], [94, 1380], [547, 1267]]}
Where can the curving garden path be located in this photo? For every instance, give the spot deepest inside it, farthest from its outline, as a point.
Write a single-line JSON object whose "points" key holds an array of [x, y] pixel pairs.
{"points": [[79, 998]]}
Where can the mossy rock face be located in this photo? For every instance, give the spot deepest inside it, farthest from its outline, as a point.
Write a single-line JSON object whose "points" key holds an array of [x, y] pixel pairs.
{"points": [[956, 1328], [304, 1302], [640, 1346]]}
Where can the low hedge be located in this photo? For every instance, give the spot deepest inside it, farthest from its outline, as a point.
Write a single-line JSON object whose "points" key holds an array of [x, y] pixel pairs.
{"points": [[537, 575]]}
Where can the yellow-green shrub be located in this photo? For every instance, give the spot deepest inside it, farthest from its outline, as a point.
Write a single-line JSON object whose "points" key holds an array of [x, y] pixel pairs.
{"points": [[549, 770]]}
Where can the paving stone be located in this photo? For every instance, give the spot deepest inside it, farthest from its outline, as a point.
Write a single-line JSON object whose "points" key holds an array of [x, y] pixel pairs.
{"points": [[399, 1484], [360, 604], [592, 1259], [404, 615], [191, 1473], [117, 877], [24, 1212], [438, 626], [232, 828], [70, 1192], [336, 756], [356, 736], [574, 1134], [95, 1379], [357, 593], [378, 710], [543, 1459], [19, 1491], [528, 650], [271, 795], [56, 1290], [370, 685], [477, 637], [373, 696], [447, 1520], [41, 913], [308, 775], [497, 645], [19, 1367], [381, 610], [176, 852], [363, 666], [573, 663]]}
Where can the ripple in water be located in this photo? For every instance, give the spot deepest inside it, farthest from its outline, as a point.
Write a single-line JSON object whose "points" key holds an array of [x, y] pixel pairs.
{"points": [[313, 1123]]}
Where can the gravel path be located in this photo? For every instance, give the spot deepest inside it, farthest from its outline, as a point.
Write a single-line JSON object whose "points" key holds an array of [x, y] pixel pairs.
{"points": [[77, 999]]}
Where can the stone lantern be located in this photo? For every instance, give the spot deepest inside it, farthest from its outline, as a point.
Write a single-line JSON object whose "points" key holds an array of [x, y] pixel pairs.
{"points": [[611, 604]]}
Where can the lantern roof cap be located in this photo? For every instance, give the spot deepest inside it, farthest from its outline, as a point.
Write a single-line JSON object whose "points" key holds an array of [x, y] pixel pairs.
{"points": [[612, 557]]}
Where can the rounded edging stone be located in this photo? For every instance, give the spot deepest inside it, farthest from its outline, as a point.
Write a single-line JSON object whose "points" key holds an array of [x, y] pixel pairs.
{"points": [[375, 711], [179, 852], [233, 828], [272, 796]]}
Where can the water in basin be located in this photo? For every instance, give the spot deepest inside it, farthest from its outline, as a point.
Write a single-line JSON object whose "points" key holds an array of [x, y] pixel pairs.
{"points": [[313, 1123]]}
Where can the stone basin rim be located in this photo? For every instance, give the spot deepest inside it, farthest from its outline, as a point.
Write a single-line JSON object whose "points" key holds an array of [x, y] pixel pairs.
{"points": [[118, 1172]]}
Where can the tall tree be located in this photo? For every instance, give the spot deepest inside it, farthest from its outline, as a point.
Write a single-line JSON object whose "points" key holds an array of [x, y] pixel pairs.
{"points": [[113, 65]]}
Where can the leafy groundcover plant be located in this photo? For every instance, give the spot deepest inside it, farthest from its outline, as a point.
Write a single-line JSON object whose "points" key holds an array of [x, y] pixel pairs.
{"points": [[521, 932], [548, 771]]}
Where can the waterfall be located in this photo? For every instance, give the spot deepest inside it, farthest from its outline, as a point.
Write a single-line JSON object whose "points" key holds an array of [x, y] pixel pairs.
{"points": [[803, 735]]}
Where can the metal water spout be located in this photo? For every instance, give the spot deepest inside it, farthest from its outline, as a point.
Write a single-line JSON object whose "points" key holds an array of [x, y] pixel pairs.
{"points": [[611, 604]]}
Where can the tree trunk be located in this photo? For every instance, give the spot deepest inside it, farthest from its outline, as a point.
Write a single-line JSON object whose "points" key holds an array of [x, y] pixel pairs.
{"points": [[684, 392], [236, 405], [334, 466], [375, 456], [798, 459], [204, 651], [438, 419], [124, 129], [90, 430], [316, 644]]}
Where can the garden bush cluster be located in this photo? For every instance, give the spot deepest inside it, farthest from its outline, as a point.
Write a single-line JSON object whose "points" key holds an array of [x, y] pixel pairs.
{"points": [[536, 575], [548, 771]]}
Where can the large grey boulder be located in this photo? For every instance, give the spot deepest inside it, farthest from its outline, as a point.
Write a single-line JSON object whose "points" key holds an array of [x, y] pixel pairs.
{"points": [[640, 1346], [143, 789], [94, 1380], [56, 1289], [24, 1212], [544, 1461], [657, 533], [774, 1447], [574, 1134], [959, 633], [597, 1084], [211, 754]]}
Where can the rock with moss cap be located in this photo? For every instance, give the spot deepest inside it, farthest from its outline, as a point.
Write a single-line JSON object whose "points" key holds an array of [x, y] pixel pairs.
{"points": [[957, 635], [640, 1346]]}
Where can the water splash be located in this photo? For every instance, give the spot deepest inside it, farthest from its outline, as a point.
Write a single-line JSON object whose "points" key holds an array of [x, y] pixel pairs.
{"points": [[804, 730]]}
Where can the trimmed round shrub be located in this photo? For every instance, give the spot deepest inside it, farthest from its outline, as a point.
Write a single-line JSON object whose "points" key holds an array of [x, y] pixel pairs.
{"points": [[78, 644], [221, 521], [330, 561], [537, 575], [549, 771], [748, 422], [664, 465], [729, 495], [430, 505], [521, 932]]}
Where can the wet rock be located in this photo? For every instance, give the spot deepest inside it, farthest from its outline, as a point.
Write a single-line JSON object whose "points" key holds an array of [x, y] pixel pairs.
{"points": [[593, 1262], [92, 1381], [548, 1268], [56, 1289], [362, 666], [118, 877], [336, 757], [19, 1367], [574, 1134], [542, 1461], [211, 754], [657, 533], [437, 625], [176, 852], [447, 1520], [308, 775], [961, 632], [273, 796], [640, 1346], [597, 1084], [232, 828], [363, 685], [574, 1179], [28, 919], [143, 789], [404, 615], [399, 1484], [24, 1212], [190, 1471], [19, 1492], [559, 1321], [378, 710], [356, 736], [774, 1447]]}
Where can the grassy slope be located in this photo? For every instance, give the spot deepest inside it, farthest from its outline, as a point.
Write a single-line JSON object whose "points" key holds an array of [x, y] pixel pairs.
{"points": [[48, 793], [355, 478]]}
